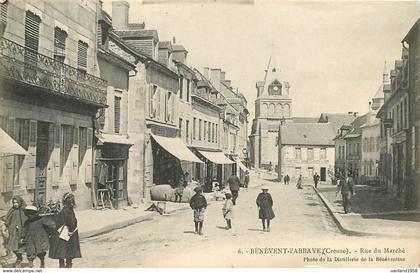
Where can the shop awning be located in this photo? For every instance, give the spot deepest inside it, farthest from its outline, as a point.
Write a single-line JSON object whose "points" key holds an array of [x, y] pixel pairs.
{"points": [[216, 157], [177, 148], [113, 139], [242, 166], [8, 146]]}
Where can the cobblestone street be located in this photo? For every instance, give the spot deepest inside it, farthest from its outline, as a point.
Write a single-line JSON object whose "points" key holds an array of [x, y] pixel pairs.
{"points": [[301, 221]]}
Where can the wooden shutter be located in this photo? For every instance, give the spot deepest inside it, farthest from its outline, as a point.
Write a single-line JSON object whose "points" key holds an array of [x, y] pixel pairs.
{"points": [[11, 127], [24, 141], [8, 173], [117, 114], [33, 132], [32, 22], [31, 172], [151, 100], [88, 158], [75, 157], [57, 135], [166, 107], [60, 37], [82, 55], [31, 167], [3, 13]]}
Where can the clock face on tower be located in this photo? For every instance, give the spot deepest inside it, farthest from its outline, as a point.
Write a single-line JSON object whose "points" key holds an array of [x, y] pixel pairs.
{"points": [[274, 89]]}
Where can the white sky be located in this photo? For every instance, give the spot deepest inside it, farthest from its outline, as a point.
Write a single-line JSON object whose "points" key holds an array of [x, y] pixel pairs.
{"points": [[332, 53]]}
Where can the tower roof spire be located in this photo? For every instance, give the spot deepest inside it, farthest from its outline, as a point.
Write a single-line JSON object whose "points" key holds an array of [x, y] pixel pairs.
{"points": [[385, 74]]}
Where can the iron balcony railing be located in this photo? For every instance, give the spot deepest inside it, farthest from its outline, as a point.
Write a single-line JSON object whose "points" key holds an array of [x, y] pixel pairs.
{"points": [[28, 66]]}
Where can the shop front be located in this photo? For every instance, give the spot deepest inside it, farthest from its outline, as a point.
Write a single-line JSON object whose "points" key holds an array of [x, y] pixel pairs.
{"points": [[111, 170], [169, 157], [215, 163]]}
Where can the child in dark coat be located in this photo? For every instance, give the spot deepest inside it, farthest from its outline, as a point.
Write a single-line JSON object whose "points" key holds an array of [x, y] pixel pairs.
{"points": [[35, 235], [199, 204], [66, 251], [265, 208], [15, 219]]}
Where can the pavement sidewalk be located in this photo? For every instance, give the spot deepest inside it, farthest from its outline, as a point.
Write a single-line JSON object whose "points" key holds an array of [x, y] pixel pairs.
{"points": [[374, 213]]}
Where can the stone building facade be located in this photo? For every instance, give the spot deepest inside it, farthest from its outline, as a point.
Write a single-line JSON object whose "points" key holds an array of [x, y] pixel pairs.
{"points": [[412, 42], [300, 152], [394, 116], [50, 94]]}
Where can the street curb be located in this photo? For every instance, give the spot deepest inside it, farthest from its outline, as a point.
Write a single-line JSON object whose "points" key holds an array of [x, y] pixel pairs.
{"points": [[123, 224], [344, 227]]}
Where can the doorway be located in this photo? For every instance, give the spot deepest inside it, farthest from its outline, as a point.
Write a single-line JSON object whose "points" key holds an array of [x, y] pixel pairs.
{"points": [[323, 173]]}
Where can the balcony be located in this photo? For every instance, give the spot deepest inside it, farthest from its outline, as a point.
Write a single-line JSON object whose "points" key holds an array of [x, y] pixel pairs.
{"points": [[24, 65]]}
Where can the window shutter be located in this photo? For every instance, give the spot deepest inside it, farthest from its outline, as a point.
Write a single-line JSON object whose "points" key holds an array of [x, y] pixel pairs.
{"points": [[151, 100], [117, 114], [59, 44], [88, 158], [57, 135], [25, 134], [31, 174], [11, 127], [166, 107], [33, 124], [32, 22], [75, 157], [82, 55], [9, 173], [76, 136], [3, 123], [3, 13], [89, 138]]}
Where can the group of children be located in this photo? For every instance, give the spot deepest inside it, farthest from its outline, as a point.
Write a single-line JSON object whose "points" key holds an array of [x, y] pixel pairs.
{"points": [[27, 232], [199, 204]]}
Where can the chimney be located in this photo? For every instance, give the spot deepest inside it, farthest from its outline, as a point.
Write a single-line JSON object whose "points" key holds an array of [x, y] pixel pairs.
{"points": [[120, 15], [228, 83], [179, 53], [222, 76], [206, 72], [215, 74]]}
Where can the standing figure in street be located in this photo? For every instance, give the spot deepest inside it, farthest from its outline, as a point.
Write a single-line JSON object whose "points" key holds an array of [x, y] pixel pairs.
{"points": [[199, 204], [15, 219], [35, 234], [66, 251], [179, 190], [228, 210], [347, 191], [246, 179], [299, 184], [265, 208], [286, 179], [233, 182], [316, 180]]}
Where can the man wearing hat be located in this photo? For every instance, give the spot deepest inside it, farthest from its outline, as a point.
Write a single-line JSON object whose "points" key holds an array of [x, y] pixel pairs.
{"points": [[199, 204], [265, 208], [233, 182], [347, 191]]}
